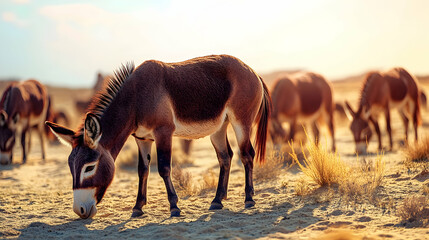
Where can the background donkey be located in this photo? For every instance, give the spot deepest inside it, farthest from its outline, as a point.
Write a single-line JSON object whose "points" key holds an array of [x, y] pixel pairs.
{"points": [[157, 101], [301, 98], [23, 106], [381, 92]]}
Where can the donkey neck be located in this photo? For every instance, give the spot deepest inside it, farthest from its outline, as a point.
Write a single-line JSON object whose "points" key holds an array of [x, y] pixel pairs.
{"points": [[118, 121]]}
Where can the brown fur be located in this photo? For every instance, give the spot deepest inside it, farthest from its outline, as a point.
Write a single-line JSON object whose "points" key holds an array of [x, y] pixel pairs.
{"points": [[380, 92], [25, 106], [299, 96], [157, 101]]}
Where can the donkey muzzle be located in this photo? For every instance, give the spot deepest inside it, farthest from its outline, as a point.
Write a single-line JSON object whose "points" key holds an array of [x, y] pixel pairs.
{"points": [[84, 203], [5, 158], [361, 147]]}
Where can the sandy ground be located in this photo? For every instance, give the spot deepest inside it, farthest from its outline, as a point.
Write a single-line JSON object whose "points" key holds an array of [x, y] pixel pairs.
{"points": [[36, 198]]}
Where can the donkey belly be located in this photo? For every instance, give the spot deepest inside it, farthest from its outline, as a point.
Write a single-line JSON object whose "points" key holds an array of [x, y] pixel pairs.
{"points": [[198, 129]]}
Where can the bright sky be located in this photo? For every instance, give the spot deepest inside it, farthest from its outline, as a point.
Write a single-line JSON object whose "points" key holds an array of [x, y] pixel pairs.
{"points": [[65, 42]]}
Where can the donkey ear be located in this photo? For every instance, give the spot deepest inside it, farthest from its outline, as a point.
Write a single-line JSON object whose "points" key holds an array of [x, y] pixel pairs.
{"points": [[65, 135], [350, 113], [3, 118], [92, 130]]}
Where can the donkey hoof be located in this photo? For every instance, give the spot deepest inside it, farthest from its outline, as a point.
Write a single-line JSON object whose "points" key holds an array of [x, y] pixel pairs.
{"points": [[249, 204], [215, 206], [175, 212], [137, 213]]}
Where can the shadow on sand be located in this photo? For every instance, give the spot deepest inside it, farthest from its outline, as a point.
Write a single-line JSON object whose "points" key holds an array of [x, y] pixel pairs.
{"points": [[222, 224]]}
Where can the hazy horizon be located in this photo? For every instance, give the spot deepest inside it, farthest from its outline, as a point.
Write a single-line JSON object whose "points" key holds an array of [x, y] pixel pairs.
{"points": [[64, 43]]}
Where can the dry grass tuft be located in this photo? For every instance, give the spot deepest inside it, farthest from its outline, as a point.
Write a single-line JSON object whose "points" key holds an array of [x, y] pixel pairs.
{"points": [[209, 181], [414, 211], [183, 182], [302, 188], [363, 180], [272, 168], [323, 167], [417, 154]]}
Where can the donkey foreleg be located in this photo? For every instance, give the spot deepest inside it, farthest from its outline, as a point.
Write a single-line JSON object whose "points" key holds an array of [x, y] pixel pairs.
{"points": [[377, 130], [163, 139], [143, 171]]}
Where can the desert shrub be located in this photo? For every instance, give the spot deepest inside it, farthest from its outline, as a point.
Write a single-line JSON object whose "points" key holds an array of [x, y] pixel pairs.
{"points": [[417, 154], [363, 180], [209, 181], [272, 167], [414, 211], [183, 182], [322, 166], [302, 188]]}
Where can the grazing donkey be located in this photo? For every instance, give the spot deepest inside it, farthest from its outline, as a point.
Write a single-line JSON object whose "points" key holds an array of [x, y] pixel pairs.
{"points": [[157, 101], [301, 98], [23, 106], [381, 92]]}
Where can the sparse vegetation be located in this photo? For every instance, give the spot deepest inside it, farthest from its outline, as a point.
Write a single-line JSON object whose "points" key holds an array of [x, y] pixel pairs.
{"points": [[323, 167], [302, 188], [414, 211], [209, 181], [272, 167], [363, 180], [183, 181], [417, 155]]}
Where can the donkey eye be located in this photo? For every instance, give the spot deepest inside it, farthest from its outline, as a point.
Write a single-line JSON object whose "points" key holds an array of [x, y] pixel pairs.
{"points": [[89, 168]]}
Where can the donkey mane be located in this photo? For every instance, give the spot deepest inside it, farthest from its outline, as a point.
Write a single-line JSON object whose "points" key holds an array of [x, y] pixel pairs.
{"points": [[102, 100], [365, 88]]}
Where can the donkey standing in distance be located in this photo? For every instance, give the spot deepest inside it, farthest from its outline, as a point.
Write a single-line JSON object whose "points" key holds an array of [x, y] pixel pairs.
{"points": [[157, 101], [381, 92], [301, 98], [23, 106]]}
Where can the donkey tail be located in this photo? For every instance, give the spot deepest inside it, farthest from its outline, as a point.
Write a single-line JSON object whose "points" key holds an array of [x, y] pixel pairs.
{"points": [[262, 118]]}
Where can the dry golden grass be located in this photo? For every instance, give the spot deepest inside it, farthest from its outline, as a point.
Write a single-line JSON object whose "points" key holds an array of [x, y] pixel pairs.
{"points": [[414, 211], [417, 154], [323, 167], [209, 181], [272, 167], [362, 181], [302, 188], [183, 182], [186, 186]]}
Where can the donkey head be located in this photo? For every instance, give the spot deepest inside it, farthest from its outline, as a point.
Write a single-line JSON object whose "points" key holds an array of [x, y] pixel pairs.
{"points": [[91, 165], [8, 128], [360, 128]]}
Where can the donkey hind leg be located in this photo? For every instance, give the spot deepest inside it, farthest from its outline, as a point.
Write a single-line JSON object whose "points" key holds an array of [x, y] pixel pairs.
{"points": [[224, 155], [316, 133], [330, 122], [143, 171], [40, 129], [406, 121], [163, 139], [247, 153]]}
